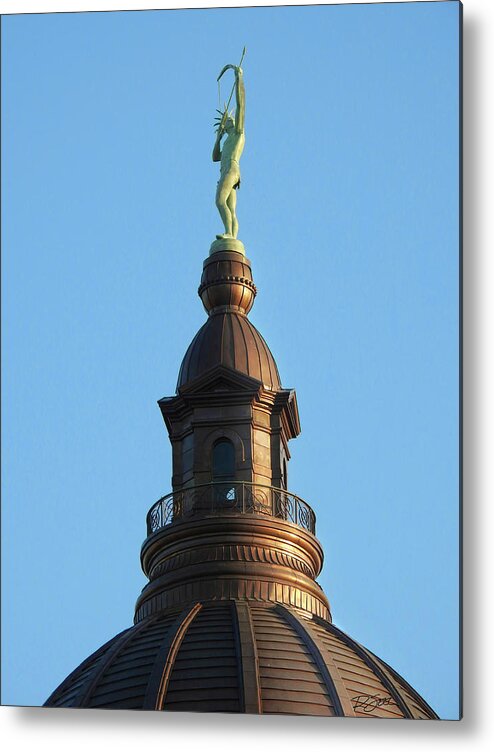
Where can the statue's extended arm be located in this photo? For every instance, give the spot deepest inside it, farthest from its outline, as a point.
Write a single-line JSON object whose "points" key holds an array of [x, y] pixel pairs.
{"points": [[240, 95]]}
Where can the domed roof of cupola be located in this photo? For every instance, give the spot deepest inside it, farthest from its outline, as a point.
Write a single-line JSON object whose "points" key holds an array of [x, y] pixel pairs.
{"points": [[229, 339]]}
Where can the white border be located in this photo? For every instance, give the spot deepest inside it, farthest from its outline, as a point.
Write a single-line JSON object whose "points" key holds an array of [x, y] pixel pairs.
{"points": [[45, 6]]}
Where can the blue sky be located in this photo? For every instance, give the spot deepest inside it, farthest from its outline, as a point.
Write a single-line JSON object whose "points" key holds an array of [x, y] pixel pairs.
{"points": [[349, 213]]}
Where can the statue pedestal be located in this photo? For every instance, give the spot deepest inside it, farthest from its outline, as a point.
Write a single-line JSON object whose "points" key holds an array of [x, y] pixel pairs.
{"points": [[227, 244]]}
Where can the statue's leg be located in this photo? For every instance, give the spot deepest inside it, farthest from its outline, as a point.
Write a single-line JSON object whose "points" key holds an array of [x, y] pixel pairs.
{"points": [[231, 202], [223, 191]]}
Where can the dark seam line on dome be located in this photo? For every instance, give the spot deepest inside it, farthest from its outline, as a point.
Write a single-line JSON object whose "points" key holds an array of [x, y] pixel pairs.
{"points": [[395, 675], [90, 684], [253, 332], [169, 651], [238, 655], [232, 341], [387, 679], [316, 655], [231, 320], [265, 359], [371, 662], [341, 690], [238, 325], [57, 693], [156, 673], [222, 338], [241, 327], [249, 660]]}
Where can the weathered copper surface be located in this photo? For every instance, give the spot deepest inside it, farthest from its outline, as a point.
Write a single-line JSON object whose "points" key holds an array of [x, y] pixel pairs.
{"points": [[239, 656], [229, 339], [227, 281], [232, 556]]}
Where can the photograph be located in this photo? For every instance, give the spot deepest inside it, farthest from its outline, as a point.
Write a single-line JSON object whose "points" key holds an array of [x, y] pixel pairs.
{"points": [[231, 362]]}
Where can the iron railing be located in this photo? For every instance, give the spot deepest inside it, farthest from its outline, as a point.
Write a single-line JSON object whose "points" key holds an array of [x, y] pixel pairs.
{"points": [[221, 498]]}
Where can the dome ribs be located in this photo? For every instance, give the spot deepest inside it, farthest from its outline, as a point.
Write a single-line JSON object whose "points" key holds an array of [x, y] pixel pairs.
{"points": [[253, 360], [361, 684], [208, 645], [207, 349], [248, 658], [270, 363], [110, 656], [160, 675], [71, 685], [240, 655], [261, 375], [240, 346], [123, 682], [415, 701], [289, 677], [228, 338], [228, 354], [312, 643]]}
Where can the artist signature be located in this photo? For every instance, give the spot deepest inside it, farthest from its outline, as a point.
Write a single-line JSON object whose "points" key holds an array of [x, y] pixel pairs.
{"points": [[368, 703]]}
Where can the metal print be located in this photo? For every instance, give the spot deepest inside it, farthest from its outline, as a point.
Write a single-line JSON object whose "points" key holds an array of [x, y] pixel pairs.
{"points": [[123, 200]]}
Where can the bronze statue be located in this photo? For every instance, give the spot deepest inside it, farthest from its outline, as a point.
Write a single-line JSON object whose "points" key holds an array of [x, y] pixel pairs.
{"points": [[229, 155]]}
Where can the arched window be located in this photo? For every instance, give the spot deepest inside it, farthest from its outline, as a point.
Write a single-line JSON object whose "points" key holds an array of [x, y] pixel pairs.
{"points": [[223, 461]]}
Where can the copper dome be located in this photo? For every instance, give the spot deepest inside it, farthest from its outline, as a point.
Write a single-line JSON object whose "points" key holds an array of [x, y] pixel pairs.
{"points": [[229, 339], [240, 656], [232, 618]]}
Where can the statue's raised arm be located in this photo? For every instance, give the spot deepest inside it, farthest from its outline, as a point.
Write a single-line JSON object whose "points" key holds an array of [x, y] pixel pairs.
{"points": [[229, 155], [239, 96], [240, 93]]}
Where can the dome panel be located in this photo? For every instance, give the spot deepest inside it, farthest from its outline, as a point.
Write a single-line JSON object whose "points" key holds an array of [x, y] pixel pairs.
{"points": [[229, 339], [281, 654], [123, 679], [206, 672]]}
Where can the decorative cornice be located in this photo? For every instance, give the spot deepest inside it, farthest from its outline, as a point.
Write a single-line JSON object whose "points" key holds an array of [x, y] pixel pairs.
{"points": [[262, 590], [245, 553]]}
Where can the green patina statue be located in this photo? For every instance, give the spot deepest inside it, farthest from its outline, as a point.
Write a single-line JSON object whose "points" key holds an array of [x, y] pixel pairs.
{"points": [[229, 156]]}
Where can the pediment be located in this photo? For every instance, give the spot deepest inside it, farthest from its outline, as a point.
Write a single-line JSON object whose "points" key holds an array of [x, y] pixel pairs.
{"points": [[221, 379]]}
